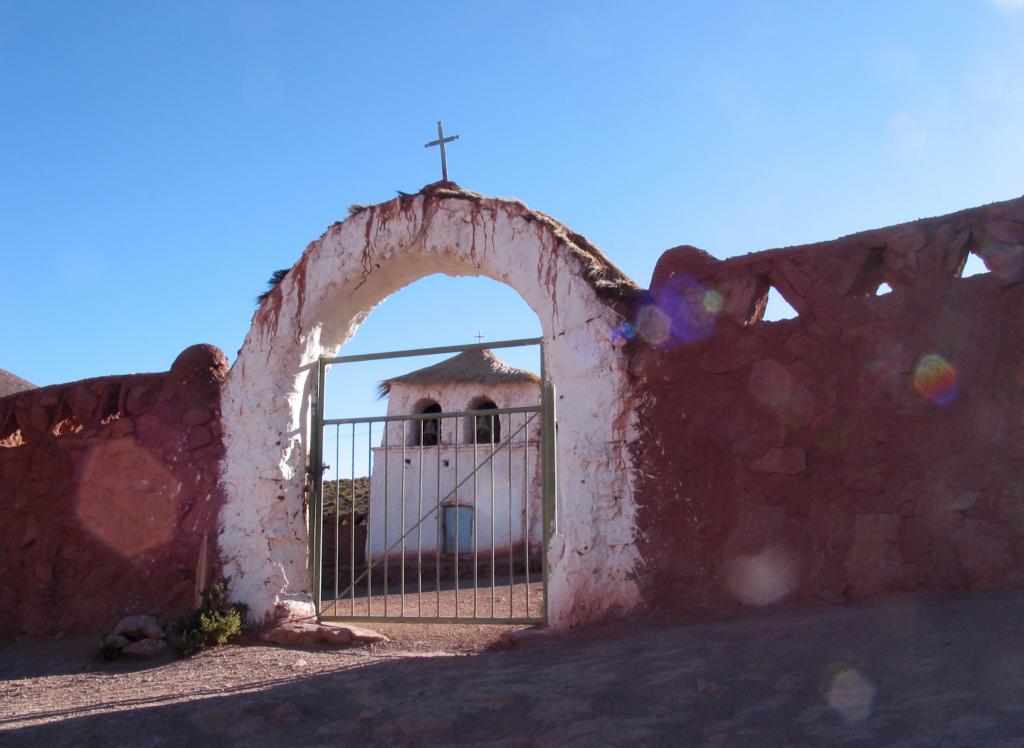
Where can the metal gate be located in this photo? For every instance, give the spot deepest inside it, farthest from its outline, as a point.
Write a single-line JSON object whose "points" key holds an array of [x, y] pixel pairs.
{"points": [[435, 531]]}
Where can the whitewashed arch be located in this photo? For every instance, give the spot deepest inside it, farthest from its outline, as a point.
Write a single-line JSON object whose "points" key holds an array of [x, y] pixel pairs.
{"points": [[318, 306]]}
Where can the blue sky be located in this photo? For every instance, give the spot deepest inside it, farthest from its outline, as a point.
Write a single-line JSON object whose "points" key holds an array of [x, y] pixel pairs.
{"points": [[159, 160]]}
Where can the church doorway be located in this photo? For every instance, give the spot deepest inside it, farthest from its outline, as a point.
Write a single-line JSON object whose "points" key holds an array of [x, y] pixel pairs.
{"points": [[442, 509]]}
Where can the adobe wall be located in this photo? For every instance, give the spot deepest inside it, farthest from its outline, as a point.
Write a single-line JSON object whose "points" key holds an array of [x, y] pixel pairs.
{"points": [[107, 488], [707, 459], [872, 444]]}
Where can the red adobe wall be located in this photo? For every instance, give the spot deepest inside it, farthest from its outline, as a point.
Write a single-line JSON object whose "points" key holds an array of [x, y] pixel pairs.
{"points": [[872, 444], [108, 487]]}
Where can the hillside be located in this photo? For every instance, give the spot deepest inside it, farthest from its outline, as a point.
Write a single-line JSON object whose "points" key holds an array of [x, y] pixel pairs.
{"points": [[362, 494], [10, 383]]}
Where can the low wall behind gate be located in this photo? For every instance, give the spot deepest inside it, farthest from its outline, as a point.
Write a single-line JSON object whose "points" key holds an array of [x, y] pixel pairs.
{"points": [[871, 444], [108, 488]]}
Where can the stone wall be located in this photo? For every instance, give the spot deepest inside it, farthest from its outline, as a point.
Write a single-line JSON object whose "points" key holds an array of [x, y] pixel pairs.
{"points": [[870, 444], [108, 491]]}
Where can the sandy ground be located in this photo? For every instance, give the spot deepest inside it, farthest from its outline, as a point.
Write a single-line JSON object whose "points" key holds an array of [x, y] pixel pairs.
{"points": [[503, 600], [900, 672]]}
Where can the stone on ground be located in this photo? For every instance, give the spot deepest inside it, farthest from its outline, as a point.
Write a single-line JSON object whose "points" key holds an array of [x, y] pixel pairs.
{"points": [[295, 634], [139, 627], [519, 638], [145, 649]]}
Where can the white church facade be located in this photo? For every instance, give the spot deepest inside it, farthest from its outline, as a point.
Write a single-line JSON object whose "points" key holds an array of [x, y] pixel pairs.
{"points": [[466, 483]]}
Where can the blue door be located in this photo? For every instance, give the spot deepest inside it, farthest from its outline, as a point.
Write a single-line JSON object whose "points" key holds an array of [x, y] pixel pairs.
{"points": [[462, 518]]}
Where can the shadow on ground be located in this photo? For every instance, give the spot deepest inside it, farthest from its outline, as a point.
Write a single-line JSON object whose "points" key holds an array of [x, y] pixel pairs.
{"points": [[908, 672]]}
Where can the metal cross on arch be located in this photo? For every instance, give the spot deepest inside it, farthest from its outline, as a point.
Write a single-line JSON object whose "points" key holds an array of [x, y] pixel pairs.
{"points": [[441, 140]]}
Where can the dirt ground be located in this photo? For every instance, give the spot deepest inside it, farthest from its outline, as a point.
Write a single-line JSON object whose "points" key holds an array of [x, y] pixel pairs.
{"points": [[511, 601], [903, 672]]}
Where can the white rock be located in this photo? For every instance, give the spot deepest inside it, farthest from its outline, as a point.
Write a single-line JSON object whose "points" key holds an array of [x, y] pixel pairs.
{"points": [[139, 627]]}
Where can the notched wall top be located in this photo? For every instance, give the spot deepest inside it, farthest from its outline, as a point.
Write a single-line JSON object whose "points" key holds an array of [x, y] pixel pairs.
{"points": [[813, 277]]}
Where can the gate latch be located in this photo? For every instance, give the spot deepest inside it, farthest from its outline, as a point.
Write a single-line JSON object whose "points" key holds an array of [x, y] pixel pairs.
{"points": [[310, 471]]}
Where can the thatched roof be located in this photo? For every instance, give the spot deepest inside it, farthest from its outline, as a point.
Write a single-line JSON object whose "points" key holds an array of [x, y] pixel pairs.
{"points": [[9, 383], [478, 365]]}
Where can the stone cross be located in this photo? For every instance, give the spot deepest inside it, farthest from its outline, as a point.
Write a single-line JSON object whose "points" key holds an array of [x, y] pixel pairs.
{"points": [[441, 140]]}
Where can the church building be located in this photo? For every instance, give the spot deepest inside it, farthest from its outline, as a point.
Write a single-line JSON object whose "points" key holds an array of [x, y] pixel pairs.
{"points": [[466, 482]]}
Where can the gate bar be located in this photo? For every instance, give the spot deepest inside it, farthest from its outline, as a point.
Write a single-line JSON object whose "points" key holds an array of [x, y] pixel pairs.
{"points": [[366, 553], [419, 525], [352, 521], [476, 526], [317, 465], [510, 558], [430, 416], [337, 515], [402, 549], [493, 557], [526, 514], [455, 493], [439, 515], [369, 566], [522, 342]]}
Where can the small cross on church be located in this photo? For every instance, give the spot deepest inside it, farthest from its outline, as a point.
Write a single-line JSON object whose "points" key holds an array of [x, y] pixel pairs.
{"points": [[480, 336], [441, 140]]}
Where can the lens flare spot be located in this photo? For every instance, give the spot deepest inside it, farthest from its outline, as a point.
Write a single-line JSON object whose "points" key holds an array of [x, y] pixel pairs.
{"points": [[764, 578], [127, 497], [622, 334], [713, 302], [851, 695], [653, 325], [679, 310], [936, 379]]}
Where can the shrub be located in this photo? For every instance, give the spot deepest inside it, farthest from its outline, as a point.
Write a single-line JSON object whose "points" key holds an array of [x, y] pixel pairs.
{"points": [[215, 622]]}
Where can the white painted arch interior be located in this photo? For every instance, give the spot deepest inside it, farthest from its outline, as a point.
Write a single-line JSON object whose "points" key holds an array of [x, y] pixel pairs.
{"points": [[317, 308]]}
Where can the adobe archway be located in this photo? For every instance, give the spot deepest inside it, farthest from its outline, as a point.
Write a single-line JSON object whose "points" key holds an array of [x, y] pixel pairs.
{"points": [[577, 295]]}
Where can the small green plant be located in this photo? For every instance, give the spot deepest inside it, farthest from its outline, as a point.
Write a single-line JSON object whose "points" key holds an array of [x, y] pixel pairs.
{"points": [[215, 622]]}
